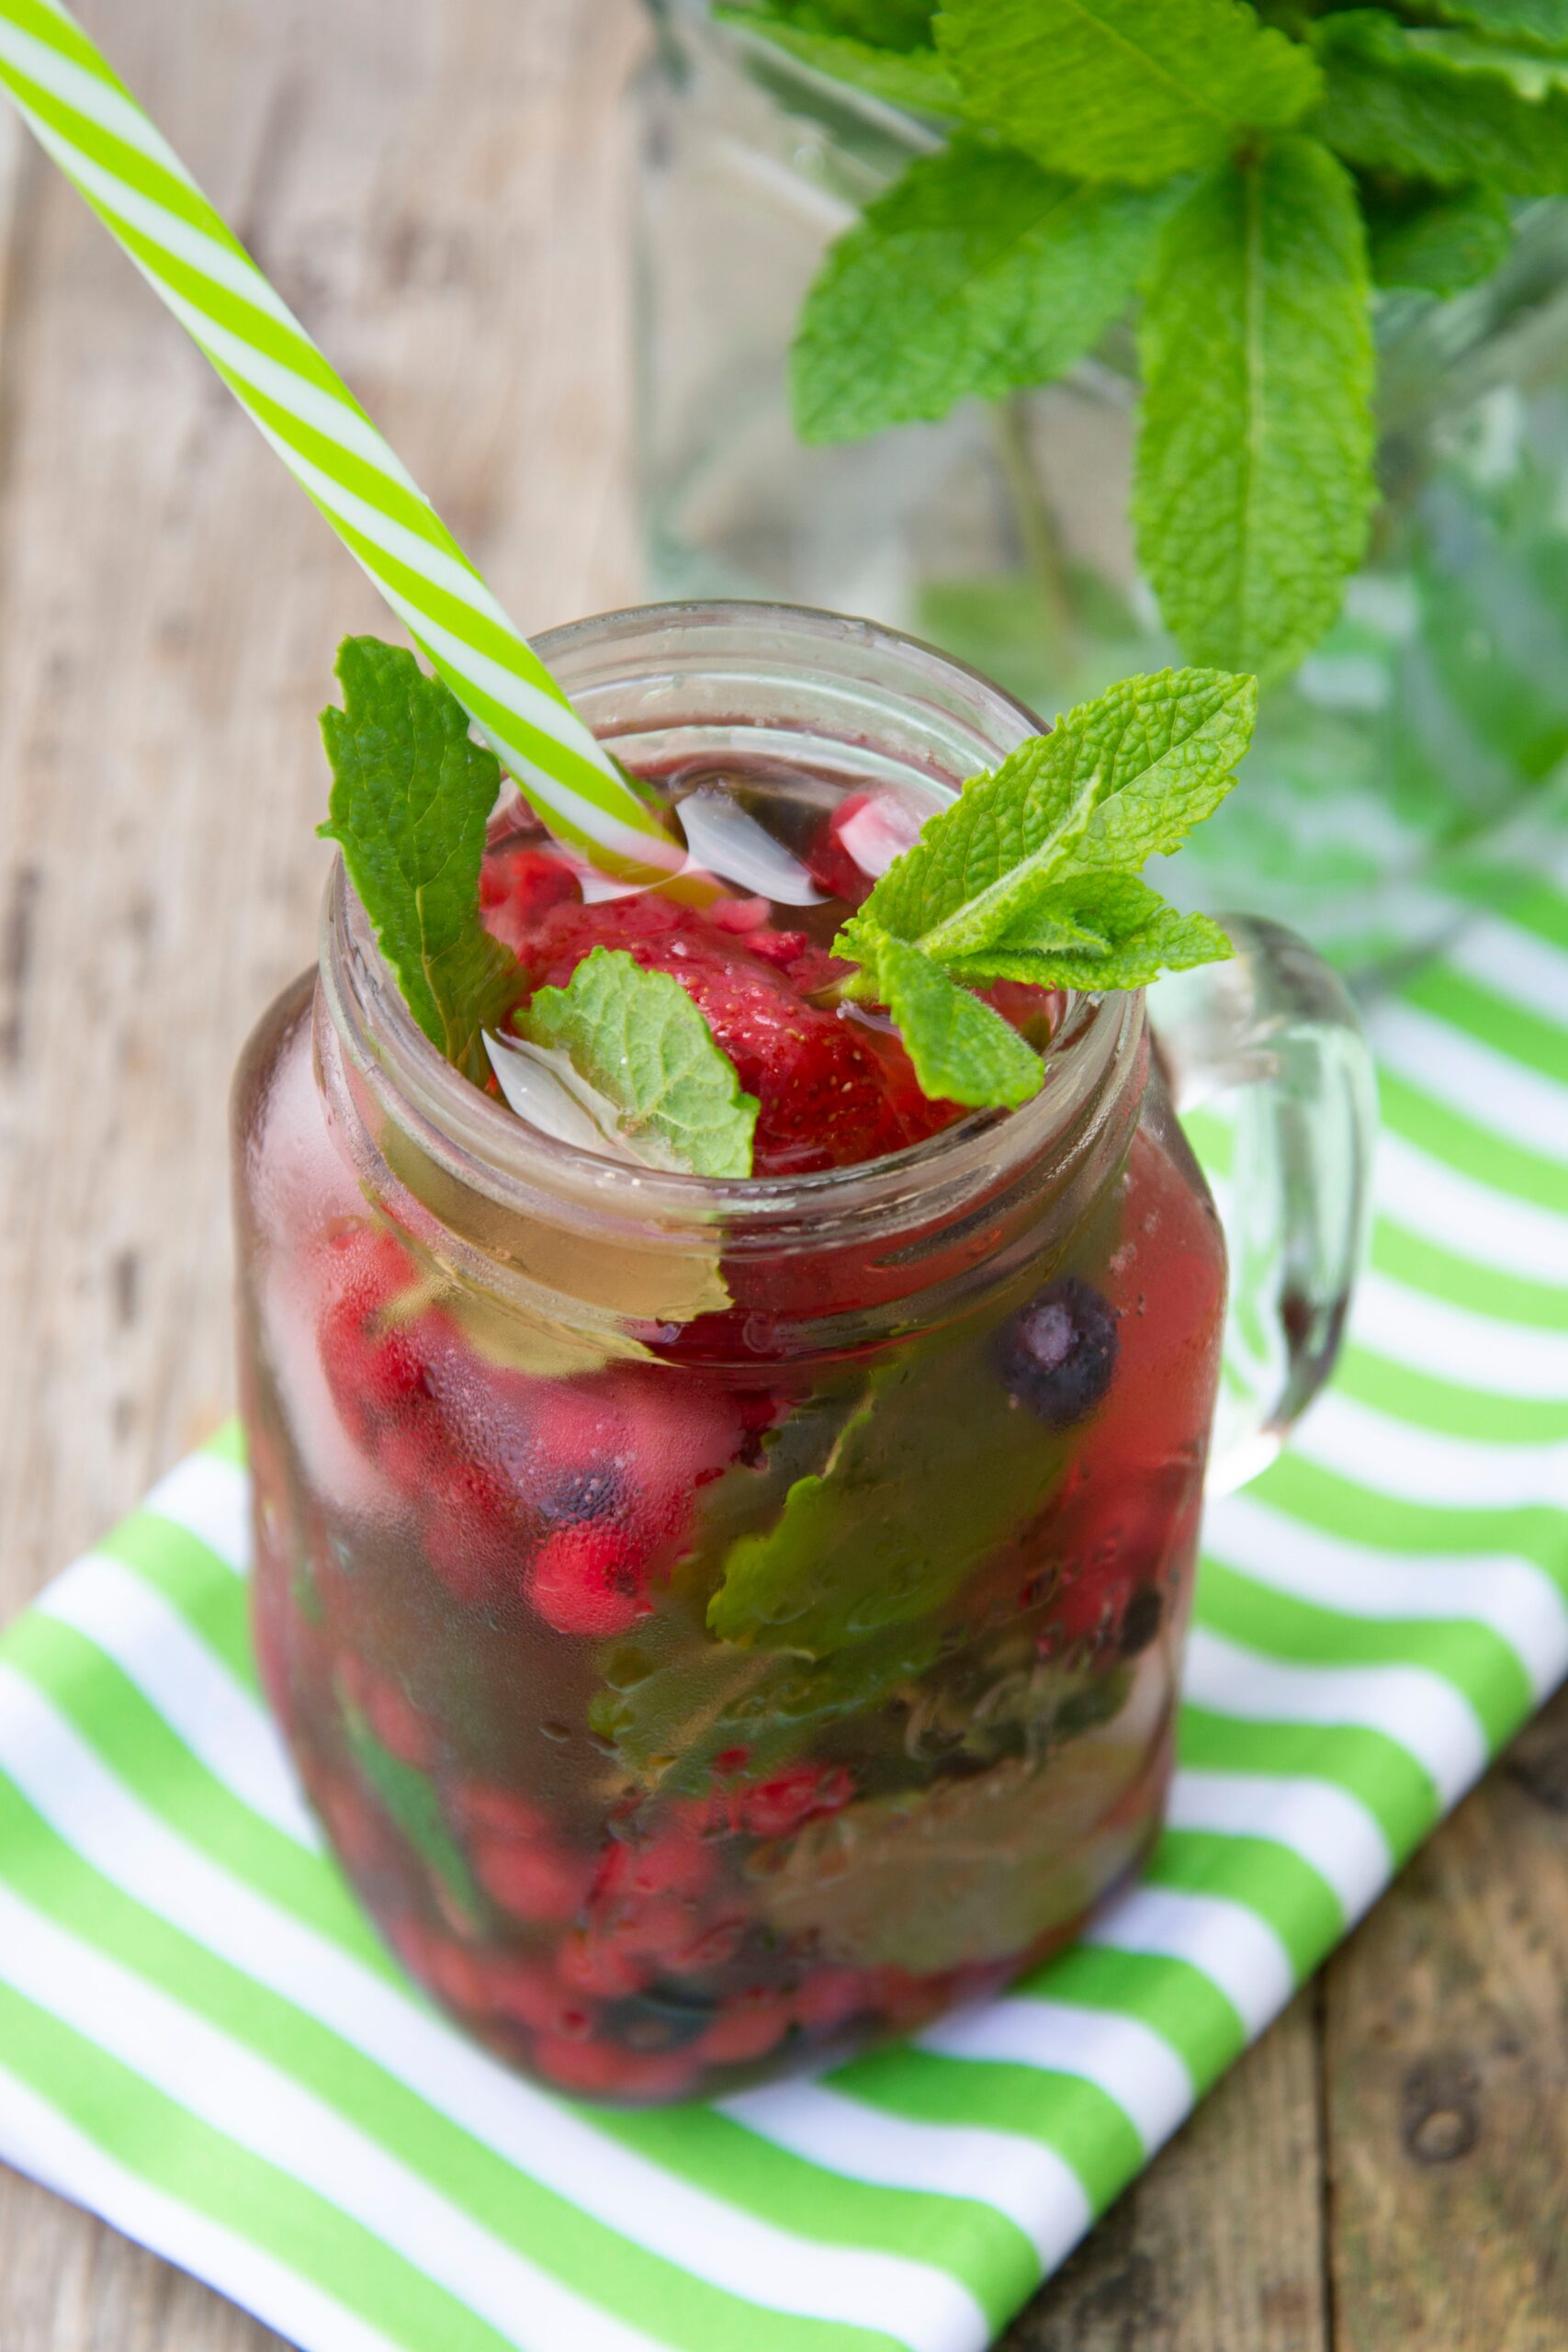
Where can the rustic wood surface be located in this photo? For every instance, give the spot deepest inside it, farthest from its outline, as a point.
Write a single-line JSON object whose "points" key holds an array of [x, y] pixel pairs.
{"points": [[442, 192]]}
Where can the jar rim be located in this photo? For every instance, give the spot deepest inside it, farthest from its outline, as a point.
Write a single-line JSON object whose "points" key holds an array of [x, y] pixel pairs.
{"points": [[486, 1146]]}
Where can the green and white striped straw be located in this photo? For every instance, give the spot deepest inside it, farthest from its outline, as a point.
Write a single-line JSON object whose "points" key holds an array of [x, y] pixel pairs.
{"points": [[98, 135]]}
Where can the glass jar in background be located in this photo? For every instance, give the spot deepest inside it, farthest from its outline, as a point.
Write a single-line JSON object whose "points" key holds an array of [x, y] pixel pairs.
{"points": [[1415, 760], [722, 1623]]}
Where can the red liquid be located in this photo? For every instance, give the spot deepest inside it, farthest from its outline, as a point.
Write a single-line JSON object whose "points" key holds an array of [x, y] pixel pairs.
{"points": [[686, 1716]]}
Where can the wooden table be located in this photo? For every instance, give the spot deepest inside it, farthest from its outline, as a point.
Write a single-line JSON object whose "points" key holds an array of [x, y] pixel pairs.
{"points": [[441, 190]]}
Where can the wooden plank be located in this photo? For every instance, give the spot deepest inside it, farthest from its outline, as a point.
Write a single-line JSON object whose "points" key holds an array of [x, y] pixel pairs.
{"points": [[440, 192], [1218, 2247], [1446, 2069]]}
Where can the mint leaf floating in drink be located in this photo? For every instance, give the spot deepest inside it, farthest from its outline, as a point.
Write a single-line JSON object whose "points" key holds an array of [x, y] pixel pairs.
{"points": [[1121, 90], [638, 1041], [407, 1797], [1255, 481], [411, 795], [977, 272], [909, 1502]]}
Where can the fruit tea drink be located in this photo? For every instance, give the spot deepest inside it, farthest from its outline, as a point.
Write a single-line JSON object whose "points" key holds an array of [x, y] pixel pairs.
{"points": [[735, 1642]]}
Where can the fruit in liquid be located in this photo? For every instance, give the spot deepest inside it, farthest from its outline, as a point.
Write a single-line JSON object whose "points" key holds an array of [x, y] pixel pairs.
{"points": [[721, 1705]]}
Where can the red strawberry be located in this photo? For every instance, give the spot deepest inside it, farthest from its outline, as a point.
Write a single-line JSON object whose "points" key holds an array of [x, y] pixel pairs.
{"points": [[822, 1086]]}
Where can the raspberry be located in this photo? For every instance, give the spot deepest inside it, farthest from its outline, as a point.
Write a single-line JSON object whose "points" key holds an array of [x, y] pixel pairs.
{"points": [[584, 1582], [1058, 1356], [518, 886], [483, 1810], [399, 1726], [747, 2030], [599, 2067], [778, 1807], [828, 1999], [374, 1365], [523, 1992], [453, 1972], [543, 1883], [676, 1861], [586, 1963]]}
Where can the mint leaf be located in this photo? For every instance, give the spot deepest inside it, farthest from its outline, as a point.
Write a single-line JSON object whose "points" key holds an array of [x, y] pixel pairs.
{"points": [[670, 1725], [1395, 98], [411, 798], [1006, 1848], [1117, 781], [889, 24], [1437, 244], [1128, 90], [1140, 937], [637, 1039], [1255, 463], [913, 77], [1544, 22], [975, 272], [1535, 74], [963, 1050], [916, 1494], [903, 73], [410, 1802]]}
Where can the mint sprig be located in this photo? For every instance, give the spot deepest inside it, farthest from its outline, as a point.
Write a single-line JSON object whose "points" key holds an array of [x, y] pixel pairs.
{"points": [[411, 795], [1032, 874], [639, 1040], [972, 276]]}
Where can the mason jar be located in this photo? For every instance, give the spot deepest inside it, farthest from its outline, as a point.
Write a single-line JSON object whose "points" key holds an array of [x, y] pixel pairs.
{"points": [[720, 1623], [1413, 763]]}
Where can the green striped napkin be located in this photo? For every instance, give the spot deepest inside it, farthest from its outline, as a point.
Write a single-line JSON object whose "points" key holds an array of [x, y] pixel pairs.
{"points": [[200, 2039]]}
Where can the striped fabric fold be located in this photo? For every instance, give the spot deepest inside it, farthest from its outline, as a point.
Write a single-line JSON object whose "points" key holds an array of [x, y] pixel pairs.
{"points": [[201, 2040]]}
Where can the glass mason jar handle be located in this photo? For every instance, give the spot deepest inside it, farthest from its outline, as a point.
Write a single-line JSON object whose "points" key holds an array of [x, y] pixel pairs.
{"points": [[1270, 1068]]}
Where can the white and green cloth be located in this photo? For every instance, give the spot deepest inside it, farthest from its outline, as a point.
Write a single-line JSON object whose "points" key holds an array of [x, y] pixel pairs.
{"points": [[200, 2038]]}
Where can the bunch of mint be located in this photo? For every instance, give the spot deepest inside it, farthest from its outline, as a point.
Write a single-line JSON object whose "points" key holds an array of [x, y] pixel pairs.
{"points": [[1032, 875], [1249, 175]]}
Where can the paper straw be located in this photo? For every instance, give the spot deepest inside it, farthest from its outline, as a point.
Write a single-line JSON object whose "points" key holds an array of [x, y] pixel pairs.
{"points": [[89, 122]]}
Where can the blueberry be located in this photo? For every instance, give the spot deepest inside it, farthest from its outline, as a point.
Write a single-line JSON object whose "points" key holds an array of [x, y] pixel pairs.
{"points": [[1058, 1354], [578, 1496], [1141, 1620], [659, 2019]]}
